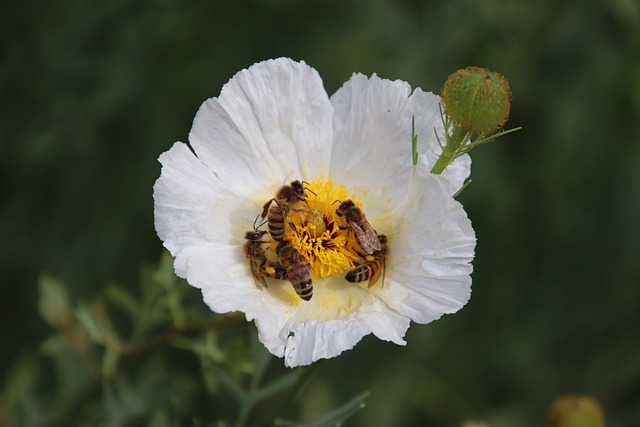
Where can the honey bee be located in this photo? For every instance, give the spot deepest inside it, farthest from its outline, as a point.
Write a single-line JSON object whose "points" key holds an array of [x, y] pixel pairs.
{"points": [[261, 267], [373, 265], [365, 234], [286, 199], [297, 269]]}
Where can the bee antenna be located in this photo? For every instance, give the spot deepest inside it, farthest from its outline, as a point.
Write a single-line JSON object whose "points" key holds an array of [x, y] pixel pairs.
{"points": [[308, 189], [337, 201]]}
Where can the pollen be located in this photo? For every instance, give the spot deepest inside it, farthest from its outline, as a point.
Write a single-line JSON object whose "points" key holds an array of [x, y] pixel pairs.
{"points": [[319, 233]]}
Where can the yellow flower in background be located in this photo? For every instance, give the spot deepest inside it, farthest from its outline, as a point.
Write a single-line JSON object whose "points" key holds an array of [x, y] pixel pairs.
{"points": [[274, 124]]}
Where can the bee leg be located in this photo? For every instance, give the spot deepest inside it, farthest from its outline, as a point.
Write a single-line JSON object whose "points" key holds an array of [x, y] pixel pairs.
{"points": [[265, 208], [261, 224]]}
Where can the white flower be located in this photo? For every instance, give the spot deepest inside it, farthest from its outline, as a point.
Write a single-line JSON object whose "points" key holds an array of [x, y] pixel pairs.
{"points": [[274, 123]]}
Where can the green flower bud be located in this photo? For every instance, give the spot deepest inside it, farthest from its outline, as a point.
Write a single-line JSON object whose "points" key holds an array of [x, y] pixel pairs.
{"points": [[477, 100], [575, 411]]}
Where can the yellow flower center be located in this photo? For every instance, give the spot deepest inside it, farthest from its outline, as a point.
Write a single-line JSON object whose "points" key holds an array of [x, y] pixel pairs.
{"points": [[319, 233]]}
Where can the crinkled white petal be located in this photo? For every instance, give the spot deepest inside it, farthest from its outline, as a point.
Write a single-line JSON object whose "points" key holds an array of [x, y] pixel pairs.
{"points": [[202, 222], [271, 123], [185, 201], [313, 340], [338, 316], [431, 248], [372, 139]]}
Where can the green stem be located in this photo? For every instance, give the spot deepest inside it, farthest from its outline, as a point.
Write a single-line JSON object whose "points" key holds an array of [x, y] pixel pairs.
{"points": [[450, 151], [245, 409], [443, 161]]}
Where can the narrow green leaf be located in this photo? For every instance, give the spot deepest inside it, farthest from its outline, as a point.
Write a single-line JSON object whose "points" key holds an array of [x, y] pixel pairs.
{"points": [[484, 139], [88, 321], [336, 417], [260, 357], [455, 196], [303, 377], [54, 344], [110, 362], [414, 141], [277, 386], [53, 302], [123, 299], [227, 382]]}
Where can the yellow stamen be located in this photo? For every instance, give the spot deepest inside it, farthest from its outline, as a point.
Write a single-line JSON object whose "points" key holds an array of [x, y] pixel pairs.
{"points": [[318, 232]]}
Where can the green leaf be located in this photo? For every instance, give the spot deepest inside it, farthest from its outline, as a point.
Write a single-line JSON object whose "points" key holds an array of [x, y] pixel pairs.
{"points": [[123, 299], [54, 344], [455, 196], [110, 362], [260, 357], [335, 418], [414, 141], [277, 386], [228, 382], [89, 322], [53, 303]]}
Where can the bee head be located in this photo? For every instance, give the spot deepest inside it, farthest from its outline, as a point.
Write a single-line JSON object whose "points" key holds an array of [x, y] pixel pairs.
{"points": [[344, 206], [254, 235], [290, 193], [299, 189]]}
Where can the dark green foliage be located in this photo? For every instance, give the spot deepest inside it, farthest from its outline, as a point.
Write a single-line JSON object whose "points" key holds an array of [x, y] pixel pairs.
{"points": [[176, 365], [93, 92]]}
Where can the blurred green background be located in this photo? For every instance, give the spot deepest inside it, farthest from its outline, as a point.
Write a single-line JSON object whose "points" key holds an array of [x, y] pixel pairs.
{"points": [[93, 92]]}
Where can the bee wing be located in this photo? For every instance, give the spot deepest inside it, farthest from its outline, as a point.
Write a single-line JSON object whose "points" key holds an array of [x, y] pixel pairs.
{"points": [[258, 279], [299, 259], [384, 268], [374, 279], [366, 236]]}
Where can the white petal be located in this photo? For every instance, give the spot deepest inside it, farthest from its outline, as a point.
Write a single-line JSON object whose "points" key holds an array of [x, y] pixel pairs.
{"points": [[372, 139], [336, 318], [431, 249], [202, 222], [314, 340], [271, 123], [184, 201]]}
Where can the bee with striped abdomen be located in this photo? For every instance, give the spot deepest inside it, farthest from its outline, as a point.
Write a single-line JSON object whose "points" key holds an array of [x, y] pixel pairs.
{"points": [[372, 267], [261, 266], [366, 236], [286, 199], [297, 269]]}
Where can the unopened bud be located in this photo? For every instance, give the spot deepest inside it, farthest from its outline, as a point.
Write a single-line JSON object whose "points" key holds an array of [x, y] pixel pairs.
{"points": [[477, 100], [575, 411]]}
